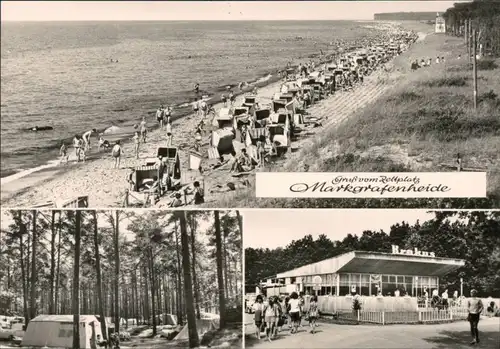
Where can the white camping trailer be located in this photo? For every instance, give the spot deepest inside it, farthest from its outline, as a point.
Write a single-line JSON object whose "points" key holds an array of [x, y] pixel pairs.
{"points": [[57, 331]]}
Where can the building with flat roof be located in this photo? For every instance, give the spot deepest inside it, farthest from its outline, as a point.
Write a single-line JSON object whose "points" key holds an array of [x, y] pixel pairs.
{"points": [[411, 272]]}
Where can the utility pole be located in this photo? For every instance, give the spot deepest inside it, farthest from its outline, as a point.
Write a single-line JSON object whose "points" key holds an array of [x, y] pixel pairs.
{"points": [[467, 37], [474, 65]]}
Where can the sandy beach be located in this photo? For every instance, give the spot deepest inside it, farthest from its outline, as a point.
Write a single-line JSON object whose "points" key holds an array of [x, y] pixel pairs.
{"points": [[106, 186]]}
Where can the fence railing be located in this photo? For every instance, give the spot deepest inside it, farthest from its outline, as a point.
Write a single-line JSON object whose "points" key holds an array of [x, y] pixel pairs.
{"points": [[403, 317], [334, 304]]}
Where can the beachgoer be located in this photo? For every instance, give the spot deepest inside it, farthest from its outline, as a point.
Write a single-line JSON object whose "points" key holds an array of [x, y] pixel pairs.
{"points": [[77, 146], [444, 297], [159, 116], [231, 97], [295, 309], [81, 146], [117, 153], [177, 202], [137, 141], [197, 88], [143, 129], [437, 60], [261, 150], [223, 98], [103, 144], [167, 114], [203, 107], [199, 195], [258, 309], [63, 153], [442, 59], [244, 161], [196, 107], [130, 179], [313, 312], [169, 135], [475, 308], [86, 138]]}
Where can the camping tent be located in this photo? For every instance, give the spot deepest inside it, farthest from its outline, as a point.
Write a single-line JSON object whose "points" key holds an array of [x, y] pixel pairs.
{"points": [[57, 331], [202, 327]]}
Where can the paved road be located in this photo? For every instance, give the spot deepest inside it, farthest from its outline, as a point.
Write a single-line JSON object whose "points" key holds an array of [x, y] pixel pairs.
{"points": [[443, 336]]}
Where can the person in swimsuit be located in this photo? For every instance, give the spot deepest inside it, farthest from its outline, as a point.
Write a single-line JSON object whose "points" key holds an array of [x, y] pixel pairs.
{"points": [[159, 116], [177, 202], [169, 134], [231, 97], [223, 98], [167, 114], [86, 138], [137, 141], [117, 153], [199, 195], [63, 153], [197, 88], [143, 129], [76, 145]]}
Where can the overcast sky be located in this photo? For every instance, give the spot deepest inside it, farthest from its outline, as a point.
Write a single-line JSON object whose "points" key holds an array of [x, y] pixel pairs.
{"points": [[277, 228], [209, 10]]}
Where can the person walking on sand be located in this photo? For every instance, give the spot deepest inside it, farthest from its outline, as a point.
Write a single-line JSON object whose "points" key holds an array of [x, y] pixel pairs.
{"points": [[63, 153], [231, 98], [76, 145], [143, 129], [169, 134], [137, 141], [223, 99], [86, 138], [167, 114], [117, 153], [159, 116], [475, 307]]}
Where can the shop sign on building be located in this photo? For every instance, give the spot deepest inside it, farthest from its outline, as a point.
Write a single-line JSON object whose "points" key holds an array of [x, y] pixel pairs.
{"points": [[414, 252]]}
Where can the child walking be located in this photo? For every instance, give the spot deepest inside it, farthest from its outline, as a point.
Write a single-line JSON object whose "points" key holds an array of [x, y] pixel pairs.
{"points": [[313, 312]]}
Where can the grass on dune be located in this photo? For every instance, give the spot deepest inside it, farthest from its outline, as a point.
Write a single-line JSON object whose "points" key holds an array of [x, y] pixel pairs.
{"points": [[425, 122]]}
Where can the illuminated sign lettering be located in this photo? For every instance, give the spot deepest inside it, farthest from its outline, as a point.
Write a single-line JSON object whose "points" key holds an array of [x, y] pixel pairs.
{"points": [[414, 252]]}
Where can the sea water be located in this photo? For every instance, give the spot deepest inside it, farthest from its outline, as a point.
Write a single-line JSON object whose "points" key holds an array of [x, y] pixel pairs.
{"points": [[65, 74]]}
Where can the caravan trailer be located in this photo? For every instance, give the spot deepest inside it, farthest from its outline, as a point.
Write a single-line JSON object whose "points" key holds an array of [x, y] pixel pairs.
{"points": [[56, 331]]}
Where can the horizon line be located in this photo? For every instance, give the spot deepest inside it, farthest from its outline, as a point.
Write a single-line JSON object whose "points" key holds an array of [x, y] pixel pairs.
{"points": [[194, 20]]}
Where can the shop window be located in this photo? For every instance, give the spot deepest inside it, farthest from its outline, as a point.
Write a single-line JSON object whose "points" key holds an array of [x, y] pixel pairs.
{"points": [[292, 280], [344, 290], [385, 278], [365, 278], [344, 279], [392, 279], [365, 289], [355, 278]]}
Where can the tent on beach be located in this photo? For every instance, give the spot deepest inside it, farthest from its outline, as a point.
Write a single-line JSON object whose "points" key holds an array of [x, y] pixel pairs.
{"points": [[57, 331]]}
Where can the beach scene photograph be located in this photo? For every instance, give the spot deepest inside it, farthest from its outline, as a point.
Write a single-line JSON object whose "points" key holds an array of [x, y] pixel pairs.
{"points": [[85, 279], [180, 104], [371, 279]]}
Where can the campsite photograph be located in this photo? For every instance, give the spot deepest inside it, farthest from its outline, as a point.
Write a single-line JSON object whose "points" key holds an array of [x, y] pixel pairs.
{"points": [[372, 279], [120, 279], [154, 104]]}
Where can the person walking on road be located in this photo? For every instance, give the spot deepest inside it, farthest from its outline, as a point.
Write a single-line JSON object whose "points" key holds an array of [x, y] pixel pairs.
{"points": [[258, 309], [295, 308], [475, 307], [313, 312], [271, 315]]}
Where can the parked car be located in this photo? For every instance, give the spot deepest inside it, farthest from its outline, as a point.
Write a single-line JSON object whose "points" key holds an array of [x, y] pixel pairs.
{"points": [[10, 334]]}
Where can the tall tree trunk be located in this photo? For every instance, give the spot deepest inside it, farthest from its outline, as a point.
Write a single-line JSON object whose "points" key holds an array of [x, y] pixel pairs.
{"points": [[220, 277], [146, 294], [193, 227], [224, 257], [33, 268], [22, 231], [58, 271], [194, 341], [117, 271], [76, 284], [52, 262], [99, 278], [153, 287], [179, 280]]}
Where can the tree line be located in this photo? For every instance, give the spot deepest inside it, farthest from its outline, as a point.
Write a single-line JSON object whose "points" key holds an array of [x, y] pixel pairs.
{"points": [[485, 17], [472, 236], [121, 264]]}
